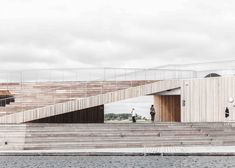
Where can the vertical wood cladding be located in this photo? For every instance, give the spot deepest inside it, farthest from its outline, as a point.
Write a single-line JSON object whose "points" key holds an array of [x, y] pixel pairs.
{"points": [[206, 99], [167, 108], [89, 115]]}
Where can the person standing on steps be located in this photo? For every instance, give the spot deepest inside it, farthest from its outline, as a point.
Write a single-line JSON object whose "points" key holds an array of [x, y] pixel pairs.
{"points": [[133, 114], [152, 113]]}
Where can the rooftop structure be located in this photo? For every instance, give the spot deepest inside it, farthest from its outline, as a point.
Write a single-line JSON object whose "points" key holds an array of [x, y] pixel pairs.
{"points": [[60, 95]]}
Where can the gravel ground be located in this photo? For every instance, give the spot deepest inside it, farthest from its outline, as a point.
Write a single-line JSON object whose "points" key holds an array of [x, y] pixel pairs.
{"points": [[116, 161]]}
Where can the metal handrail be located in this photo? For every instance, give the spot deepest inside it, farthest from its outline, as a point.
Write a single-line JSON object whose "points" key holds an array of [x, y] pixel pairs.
{"points": [[104, 78]]}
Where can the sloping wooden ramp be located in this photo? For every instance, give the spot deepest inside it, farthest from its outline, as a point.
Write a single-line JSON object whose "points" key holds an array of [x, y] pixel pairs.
{"points": [[90, 101]]}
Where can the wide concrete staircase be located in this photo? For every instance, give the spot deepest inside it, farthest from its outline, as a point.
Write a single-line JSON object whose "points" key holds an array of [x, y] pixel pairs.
{"points": [[128, 135]]}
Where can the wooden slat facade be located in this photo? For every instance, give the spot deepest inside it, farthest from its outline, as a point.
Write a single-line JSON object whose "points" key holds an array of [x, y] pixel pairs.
{"points": [[206, 99], [201, 100], [88, 102], [89, 115]]}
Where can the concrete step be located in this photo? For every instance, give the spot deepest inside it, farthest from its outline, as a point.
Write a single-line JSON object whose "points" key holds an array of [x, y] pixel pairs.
{"points": [[83, 145], [113, 129], [103, 135], [70, 136], [117, 139]]}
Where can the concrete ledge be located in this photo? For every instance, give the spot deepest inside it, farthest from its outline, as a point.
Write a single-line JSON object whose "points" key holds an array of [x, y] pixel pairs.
{"points": [[193, 154], [64, 153], [159, 151]]}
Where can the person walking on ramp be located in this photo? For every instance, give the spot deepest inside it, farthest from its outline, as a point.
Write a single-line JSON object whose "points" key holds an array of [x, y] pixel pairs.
{"points": [[133, 114], [152, 113]]}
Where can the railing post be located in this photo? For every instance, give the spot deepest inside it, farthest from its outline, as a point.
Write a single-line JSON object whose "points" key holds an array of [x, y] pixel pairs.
{"points": [[104, 74], [7, 79], [115, 73], [155, 75], [76, 76], [131, 79], [86, 89], [21, 79], [70, 91], [145, 75]]}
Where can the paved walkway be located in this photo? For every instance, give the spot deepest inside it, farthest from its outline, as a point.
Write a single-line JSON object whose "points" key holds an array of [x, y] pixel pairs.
{"points": [[117, 161], [178, 151]]}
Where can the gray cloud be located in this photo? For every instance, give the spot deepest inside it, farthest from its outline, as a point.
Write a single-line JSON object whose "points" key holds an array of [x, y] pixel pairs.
{"points": [[118, 34]]}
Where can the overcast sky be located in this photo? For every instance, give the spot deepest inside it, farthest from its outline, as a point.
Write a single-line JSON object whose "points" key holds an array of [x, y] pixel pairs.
{"points": [[114, 33]]}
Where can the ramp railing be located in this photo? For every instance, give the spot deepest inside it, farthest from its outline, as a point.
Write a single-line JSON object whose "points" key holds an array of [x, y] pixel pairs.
{"points": [[37, 88]]}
